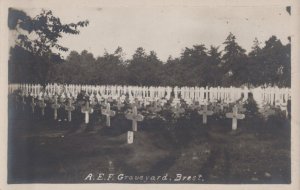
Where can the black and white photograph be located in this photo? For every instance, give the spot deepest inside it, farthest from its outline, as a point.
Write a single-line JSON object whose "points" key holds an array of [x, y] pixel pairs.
{"points": [[155, 93]]}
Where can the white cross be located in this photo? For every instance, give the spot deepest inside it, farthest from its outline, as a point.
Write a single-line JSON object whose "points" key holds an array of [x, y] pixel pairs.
{"points": [[241, 108], [283, 107], [222, 105], [92, 98], [23, 102], [175, 101], [87, 110], [42, 105], [99, 98], [277, 103], [104, 103], [119, 104], [46, 96], [177, 110], [62, 98], [194, 105], [69, 108], [235, 116], [135, 117], [156, 107], [109, 113], [189, 101], [55, 106], [146, 102], [110, 99], [163, 101], [33, 104], [205, 112], [135, 103]]}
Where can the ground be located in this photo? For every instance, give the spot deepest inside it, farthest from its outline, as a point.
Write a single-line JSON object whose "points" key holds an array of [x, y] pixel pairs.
{"points": [[41, 150]]}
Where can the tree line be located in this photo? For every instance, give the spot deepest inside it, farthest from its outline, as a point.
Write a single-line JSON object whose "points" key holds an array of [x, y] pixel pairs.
{"points": [[266, 64]]}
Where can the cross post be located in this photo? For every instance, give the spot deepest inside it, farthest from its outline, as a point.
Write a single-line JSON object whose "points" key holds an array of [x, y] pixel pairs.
{"points": [[87, 110], [69, 108], [235, 116], [205, 112], [108, 113], [33, 104], [55, 107], [119, 104], [177, 110], [135, 117], [42, 105]]}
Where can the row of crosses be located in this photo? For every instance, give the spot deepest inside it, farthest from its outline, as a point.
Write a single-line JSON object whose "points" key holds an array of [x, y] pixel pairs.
{"points": [[134, 116]]}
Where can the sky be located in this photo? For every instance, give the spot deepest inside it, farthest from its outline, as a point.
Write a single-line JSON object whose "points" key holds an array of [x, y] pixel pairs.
{"points": [[169, 29]]}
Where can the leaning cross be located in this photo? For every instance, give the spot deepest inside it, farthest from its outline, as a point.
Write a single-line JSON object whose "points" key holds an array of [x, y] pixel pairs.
{"points": [[135, 117], [55, 106], [109, 113], [69, 108], [205, 113], [87, 110], [235, 116], [42, 105]]}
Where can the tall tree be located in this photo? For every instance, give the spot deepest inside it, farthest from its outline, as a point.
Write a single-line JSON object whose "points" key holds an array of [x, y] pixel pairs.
{"points": [[40, 35], [214, 72], [234, 62], [255, 62], [144, 69], [276, 62]]}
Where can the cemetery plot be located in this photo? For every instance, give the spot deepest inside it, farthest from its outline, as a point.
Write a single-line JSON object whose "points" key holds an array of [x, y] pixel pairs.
{"points": [[227, 121], [147, 139]]}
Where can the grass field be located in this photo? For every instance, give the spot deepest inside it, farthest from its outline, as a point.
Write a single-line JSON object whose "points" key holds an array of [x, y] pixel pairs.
{"points": [[41, 150]]}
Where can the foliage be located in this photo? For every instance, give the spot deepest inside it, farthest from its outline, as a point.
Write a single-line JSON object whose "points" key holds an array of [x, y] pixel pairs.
{"points": [[40, 36], [266, 64]]}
